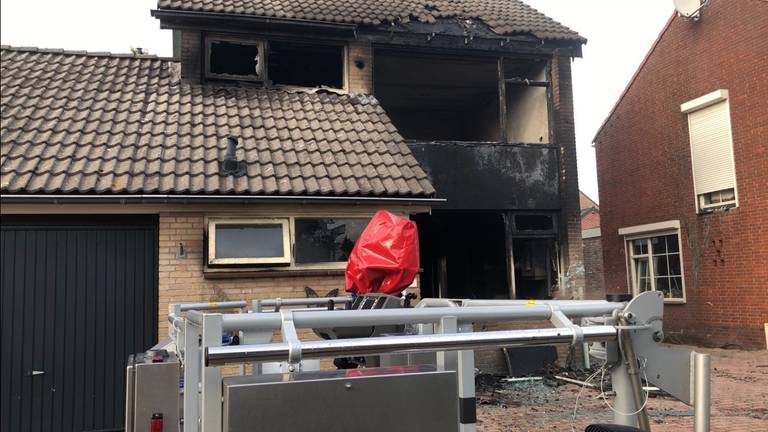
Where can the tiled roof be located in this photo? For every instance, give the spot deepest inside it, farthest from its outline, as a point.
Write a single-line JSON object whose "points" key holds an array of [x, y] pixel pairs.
{"points": [[590, 212], [505, 17], [105, 123]]}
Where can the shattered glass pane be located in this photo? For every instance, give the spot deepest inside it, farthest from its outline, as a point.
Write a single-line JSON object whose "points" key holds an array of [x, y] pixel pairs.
{"points": [[326, 240]]}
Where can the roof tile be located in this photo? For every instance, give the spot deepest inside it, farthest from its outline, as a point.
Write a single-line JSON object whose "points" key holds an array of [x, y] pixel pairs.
{"points": [[110, 123]]}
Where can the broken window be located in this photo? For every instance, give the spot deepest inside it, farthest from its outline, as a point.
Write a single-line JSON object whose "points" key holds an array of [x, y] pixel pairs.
{"points": [[326, 240], [526, 101], [235, 60], [439, 98], [276, 62], [306, 65]]}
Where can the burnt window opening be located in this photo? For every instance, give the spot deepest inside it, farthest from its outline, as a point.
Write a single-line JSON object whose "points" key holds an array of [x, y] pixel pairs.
{"points": [[439, 98], [235, 60], [306, 65], [534, 223], [534, 264]]}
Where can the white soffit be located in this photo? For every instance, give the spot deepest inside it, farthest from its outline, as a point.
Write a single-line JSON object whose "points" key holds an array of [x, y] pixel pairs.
{"points": [[704, 101], [658, 226]]}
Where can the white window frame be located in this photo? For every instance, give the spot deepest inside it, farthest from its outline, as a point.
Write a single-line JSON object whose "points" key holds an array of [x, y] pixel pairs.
{"points": [[646, 232], [715, 97], [283, 222]]}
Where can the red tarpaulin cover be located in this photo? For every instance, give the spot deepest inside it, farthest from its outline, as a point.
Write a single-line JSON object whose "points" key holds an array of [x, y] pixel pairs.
{"points": [[385, 258]]}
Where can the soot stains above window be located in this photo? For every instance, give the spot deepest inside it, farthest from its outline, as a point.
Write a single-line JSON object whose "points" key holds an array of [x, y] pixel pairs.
{"points": [[235, 60], [306, 65]]}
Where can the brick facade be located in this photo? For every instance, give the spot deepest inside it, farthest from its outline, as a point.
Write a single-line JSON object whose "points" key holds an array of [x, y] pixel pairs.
{"points": [[360, 67], [644, 172], [593, 269], [565, 137]]}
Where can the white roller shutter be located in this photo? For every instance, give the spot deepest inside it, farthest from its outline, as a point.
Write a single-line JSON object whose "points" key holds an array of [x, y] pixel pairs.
{"points": [[711, 148]]}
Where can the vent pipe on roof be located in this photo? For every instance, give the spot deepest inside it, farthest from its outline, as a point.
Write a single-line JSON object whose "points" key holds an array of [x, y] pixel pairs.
{"points": [[230, 165]]}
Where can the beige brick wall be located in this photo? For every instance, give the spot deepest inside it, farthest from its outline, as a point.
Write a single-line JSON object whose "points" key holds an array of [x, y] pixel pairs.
{"points": [[360, 80], [191, 56], [181, 280]]}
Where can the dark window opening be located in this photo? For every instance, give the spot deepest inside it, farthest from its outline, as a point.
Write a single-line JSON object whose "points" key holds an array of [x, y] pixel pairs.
{"points": [[326, 240], [439, 98], [463, 255], [535, 271], [235, 60], [306, 65], [533, 223]]}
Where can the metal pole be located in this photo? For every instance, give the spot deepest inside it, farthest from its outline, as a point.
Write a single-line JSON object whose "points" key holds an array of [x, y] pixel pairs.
{"points": [[220, 355], [630, 361], [213, 305], [303, 301], [701, 400], [429, 315]]}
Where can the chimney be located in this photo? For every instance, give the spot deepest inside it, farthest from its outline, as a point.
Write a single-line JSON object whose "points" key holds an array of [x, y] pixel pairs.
{"points": [[230, 165]]}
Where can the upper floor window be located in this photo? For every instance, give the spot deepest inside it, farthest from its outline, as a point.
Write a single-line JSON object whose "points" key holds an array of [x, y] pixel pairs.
{"points": [[235, 60], [275, 62], [709, 127]]}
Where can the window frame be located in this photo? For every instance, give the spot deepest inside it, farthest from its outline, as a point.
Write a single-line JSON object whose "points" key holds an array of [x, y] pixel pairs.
{"points": [[263, 43], [290, 264], [212, 223], [631, 258], [690, 107]]}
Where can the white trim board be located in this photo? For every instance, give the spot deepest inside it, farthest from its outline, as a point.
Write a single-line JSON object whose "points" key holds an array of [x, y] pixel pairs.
{"points": [[657, 226], [704, 101], [590, 233]]}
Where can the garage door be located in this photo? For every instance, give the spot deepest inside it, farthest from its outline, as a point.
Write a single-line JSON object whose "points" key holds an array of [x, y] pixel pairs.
{"points": [[78, 295]]}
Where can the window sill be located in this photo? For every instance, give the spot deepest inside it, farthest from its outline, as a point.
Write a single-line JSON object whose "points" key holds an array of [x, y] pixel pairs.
{"points": [[271, 273], [674, 301]]}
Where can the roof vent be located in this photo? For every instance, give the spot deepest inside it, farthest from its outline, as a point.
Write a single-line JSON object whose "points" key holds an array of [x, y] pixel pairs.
{"points": [[230, 165]]}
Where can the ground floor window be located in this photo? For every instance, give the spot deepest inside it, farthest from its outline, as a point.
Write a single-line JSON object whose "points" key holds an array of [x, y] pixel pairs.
{"points": [[655, 264], [294, 242]]}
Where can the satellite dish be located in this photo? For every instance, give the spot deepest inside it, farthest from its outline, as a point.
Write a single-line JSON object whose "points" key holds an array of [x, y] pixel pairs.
{"points": [[690, 9]]}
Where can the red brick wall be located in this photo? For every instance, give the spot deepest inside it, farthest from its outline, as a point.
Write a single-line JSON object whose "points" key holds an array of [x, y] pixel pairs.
{"points": [[644, 172], [593, 269]]}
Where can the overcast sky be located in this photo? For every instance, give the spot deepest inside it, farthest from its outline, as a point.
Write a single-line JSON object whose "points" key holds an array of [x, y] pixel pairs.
{"points": [[620, 32]]}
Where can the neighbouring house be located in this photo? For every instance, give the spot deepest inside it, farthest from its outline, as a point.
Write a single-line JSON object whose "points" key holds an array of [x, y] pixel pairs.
{"points": [[682, 163], [594, 284], [247, 165]]}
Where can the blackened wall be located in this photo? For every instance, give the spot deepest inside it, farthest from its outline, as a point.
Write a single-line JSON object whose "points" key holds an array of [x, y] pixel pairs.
{"points": [[489, 176]]}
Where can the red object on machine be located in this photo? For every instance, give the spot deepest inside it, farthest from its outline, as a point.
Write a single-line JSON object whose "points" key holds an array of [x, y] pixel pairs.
{"points": [[385, 258]]}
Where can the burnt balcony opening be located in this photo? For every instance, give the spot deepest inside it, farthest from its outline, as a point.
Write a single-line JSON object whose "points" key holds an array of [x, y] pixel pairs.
{"points": [[306, 65], [526, 101], [439, 98]]}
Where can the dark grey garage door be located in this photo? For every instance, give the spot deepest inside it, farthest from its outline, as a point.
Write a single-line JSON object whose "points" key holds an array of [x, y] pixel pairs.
{"points": [[78, 295]]}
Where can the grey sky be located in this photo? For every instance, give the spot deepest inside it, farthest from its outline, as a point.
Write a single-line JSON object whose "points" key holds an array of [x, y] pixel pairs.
{"points": [[620, 32]]}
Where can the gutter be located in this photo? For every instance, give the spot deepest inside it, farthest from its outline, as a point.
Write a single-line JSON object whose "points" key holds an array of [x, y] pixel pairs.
{"points": [[206, 199], [227, 18]]}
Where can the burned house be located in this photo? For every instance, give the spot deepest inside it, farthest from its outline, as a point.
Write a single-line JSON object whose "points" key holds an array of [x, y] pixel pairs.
{"points": [[246, 166], [481, 94]]}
